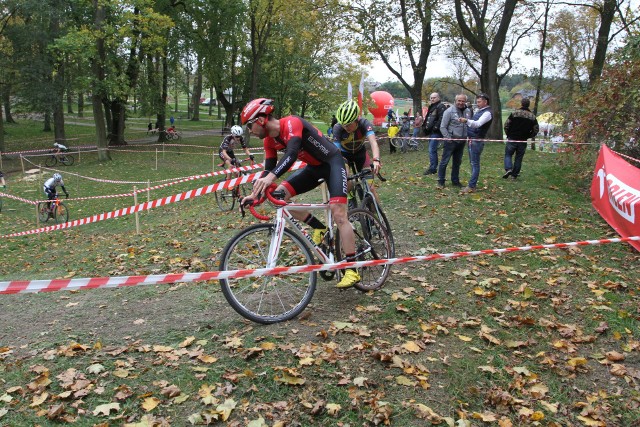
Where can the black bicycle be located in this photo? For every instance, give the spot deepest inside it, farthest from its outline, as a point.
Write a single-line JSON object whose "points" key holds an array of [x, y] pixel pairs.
{"points": [[60, 157], [226, 198], [365, 198]]}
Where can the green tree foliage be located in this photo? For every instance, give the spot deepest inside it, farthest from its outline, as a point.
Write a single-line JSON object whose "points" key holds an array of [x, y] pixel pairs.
{"points": [[610, 111]]}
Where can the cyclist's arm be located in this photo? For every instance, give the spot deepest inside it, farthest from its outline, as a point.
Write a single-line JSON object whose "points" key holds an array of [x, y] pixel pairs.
{"points": [[290, 156], [375, 151], [64, 189]]}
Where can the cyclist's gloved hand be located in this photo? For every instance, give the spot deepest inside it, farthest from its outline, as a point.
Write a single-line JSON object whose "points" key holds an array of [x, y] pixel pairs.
{"points": [[246, 201], [251, 157], [66, 195]]}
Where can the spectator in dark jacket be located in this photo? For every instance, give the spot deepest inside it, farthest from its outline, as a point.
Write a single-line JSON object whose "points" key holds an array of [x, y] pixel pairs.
{"points": [[432, 129], [520, 126]]}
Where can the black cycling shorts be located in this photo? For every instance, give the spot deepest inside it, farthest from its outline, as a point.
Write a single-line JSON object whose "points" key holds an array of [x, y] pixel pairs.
{"points": [[334, 174]]}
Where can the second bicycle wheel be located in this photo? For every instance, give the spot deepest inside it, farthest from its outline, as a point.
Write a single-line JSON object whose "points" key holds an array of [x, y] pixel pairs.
{"points": [[372, 243], [225, 198], [61, 214], [267, 299], [67, 159], [369, 204]]}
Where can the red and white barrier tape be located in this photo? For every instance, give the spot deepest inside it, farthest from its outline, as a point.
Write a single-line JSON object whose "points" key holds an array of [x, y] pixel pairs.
{"points": [[147, 205], [537, 141], [31, 202], [31, 286], [168, 184], [628, 157]]}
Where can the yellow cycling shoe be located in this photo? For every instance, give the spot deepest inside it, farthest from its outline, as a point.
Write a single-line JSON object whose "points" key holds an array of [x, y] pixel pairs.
{"points": [[318, 235], [350, 278]]}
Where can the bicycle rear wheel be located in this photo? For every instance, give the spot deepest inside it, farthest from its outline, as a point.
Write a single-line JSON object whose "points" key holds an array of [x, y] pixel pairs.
{"points": [[225, 198], [67, 159], [372, 206], [43, 211], [372, 243], [50, 160], [267, 299], [61, 213]]}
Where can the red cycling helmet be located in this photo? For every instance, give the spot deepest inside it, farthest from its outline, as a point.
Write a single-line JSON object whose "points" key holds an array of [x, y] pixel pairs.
{"points": [[256, 107]]}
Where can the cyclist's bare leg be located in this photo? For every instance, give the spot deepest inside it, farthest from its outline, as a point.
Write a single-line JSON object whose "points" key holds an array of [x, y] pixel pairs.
{"points": [[339, 211]]}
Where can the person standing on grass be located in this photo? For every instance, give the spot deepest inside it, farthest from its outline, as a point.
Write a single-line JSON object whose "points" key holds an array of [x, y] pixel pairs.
{"points": [[478, 128], [2, 181], [520, 126], [417, 124], [432, 130], [455, 132]]}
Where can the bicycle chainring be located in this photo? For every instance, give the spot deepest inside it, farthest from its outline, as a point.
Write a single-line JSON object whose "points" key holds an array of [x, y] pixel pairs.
{"points": [[327, 275]]}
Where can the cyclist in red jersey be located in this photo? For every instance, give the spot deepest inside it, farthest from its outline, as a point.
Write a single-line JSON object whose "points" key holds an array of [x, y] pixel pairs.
{"points": [[301, 140]]}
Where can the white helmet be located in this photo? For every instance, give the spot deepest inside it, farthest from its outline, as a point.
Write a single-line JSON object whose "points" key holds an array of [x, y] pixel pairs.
{"points": [[57, 177], [236, 130]]}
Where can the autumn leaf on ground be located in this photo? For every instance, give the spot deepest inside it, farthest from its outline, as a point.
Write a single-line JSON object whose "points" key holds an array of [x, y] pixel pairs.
{"points": [[106, 409], [150, 403], [333, 408], [289, 379]]}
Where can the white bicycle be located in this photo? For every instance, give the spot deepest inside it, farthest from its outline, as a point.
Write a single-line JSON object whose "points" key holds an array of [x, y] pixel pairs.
{"points": [[285, 243]]}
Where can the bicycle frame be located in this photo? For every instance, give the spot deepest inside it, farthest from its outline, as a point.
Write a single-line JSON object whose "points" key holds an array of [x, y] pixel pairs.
{"points": [[284, 217]]}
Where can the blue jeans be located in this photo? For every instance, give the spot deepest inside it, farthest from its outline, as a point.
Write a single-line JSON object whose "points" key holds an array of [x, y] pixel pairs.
{"points": [[519, 148], [433, 151], [455, 150], [475, 151]]}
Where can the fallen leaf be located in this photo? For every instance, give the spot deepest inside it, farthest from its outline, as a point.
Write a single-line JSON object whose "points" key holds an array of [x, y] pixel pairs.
{"points": [[150, 403], [106, 409]]}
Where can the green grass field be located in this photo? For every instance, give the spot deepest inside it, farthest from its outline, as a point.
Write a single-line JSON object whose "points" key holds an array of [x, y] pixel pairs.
{"points": [[547, 338]]}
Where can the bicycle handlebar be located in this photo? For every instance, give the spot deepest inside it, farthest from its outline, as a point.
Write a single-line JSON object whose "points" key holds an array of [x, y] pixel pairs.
{"points": [[363, 174], [251, 204]]}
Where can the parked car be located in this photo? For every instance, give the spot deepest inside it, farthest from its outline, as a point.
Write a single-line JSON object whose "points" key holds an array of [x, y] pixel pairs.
{"points": [[209, 101]]}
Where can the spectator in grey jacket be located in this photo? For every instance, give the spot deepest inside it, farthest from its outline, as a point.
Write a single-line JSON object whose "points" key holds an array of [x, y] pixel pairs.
{"points": [[456, 133], [520, 126]]}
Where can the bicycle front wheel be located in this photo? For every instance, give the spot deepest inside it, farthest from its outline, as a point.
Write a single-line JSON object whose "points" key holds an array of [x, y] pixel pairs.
{"points": [[50, 161], [225, 198], [372, 243], [267, 299], [67, 160], [61, 213], [372, 206], [43, 211], [396, 142]]}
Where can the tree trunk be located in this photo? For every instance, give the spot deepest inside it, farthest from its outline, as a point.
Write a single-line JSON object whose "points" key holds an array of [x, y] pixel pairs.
{"points": [[197, 91], [97, 97], [162, 116], [58, 122], [543, 46], [47, 122], [606, 17], [80, 104], [69, 102], [6, 99], [3, 148], [116, 127]]}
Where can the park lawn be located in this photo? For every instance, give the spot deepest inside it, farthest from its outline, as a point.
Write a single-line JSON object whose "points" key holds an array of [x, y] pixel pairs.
{"points": [[527, 338]]}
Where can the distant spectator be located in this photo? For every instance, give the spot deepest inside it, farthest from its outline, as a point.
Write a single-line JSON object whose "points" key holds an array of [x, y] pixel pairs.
{"points": [[432, 129], [2, 181], [520, 126], [391, 133], [405, 131], [391, 116], [417, 124], [478, 128], [455, 131], [171, 120]]}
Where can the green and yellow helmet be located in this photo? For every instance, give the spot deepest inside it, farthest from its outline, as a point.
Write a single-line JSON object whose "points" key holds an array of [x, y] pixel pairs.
{"points": [[347, 112]]}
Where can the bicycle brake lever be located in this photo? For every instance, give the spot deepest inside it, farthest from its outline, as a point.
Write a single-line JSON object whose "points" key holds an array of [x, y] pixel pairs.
{"points": [[381, 178]]}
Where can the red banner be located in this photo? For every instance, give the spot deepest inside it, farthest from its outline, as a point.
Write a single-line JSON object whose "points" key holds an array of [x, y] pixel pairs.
{"points": [[615, 193]]}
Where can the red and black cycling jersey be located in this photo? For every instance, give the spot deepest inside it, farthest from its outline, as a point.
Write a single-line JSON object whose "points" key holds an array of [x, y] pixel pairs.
{"points": [[353, 142], [300, 140], [229, 142]]}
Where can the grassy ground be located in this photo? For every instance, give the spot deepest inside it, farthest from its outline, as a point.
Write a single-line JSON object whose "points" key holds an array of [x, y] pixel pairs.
{"points": [[528, 338]]}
